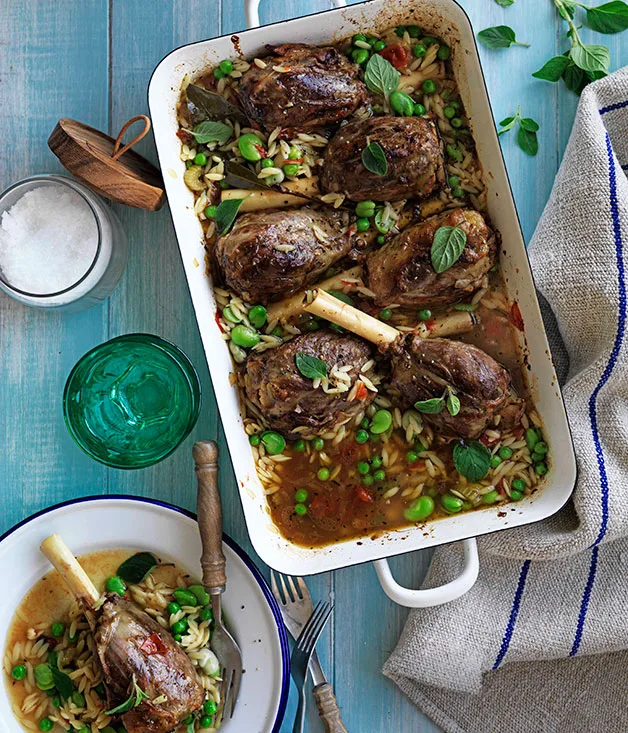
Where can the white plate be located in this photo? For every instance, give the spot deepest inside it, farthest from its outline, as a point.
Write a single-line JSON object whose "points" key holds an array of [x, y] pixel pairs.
{"points": [[92, 524]]}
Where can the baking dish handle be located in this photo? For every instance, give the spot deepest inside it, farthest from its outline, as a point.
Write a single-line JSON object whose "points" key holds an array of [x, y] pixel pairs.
{"points": [[251, 10], [432, 596]]}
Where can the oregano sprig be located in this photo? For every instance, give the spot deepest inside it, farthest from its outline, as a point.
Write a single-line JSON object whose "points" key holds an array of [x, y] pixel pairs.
{"points": [[526, 135], [499, 36]]}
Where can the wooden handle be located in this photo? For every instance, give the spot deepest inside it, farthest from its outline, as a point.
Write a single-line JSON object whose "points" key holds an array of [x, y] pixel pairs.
{"points": [[77, 580], [209, 510], [328, 709], [353, 319]]}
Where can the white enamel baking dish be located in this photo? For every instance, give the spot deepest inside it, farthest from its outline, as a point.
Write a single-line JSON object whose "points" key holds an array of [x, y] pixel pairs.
{"points": [[446, 19]]}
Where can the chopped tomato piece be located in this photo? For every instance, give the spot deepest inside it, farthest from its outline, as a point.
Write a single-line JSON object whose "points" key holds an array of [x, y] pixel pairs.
{"points": [[217, 317], [515, 316], [396, 55], [363, 495], [153, 645], [292, 161], [485, 440], [323, 505], [361, 392], [185, 136]]}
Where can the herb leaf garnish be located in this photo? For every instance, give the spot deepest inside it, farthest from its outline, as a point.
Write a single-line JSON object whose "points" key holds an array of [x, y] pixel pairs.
{"points": [[137, 567], [380, 76], [433, 406], [310, 367], [135, 699], [526, 136], [608, 18], [63, 683], [499, 36], [226, 212], [212, 132], [472, 460], [447, 247], [505, 3], [453, 403], [374, 159], [553, 69]]}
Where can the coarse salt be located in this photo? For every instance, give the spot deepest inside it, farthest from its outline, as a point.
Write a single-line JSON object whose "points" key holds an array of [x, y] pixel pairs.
{"points": [[48, 240]]}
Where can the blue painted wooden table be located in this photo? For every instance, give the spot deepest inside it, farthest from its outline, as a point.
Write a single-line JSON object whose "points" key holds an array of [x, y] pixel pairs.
{"points": [[91, 60]]}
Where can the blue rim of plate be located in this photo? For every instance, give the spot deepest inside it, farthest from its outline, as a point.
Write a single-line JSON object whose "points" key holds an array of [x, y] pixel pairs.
{"points": [[261, 581]]}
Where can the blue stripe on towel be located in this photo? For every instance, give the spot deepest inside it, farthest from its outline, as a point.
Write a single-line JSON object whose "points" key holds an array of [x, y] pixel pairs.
{"points": [[584, 605], [514, 612], [619, 337], [613, 107]]}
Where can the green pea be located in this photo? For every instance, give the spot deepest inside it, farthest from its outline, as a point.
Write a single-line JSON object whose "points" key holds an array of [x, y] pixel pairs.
{"points": [[381, 239], [84, 729], [419, 110], [365, 209], [383, 225], [210, 212], [184, 597], [400, 30], [251, 147], [300, 509], [541, 468], [299, 446], [300, 496], [425, 314], [244, 336], [402, 103], [420, 446], [451, 504], [291, 169], [56, 702], [505, 452], [385, 314], [443, 52], [267, 163], [254, 439], [218, 73], [453, 181], [360, 55], [57, 629], [420, 509], [379, 46], [210, 707], [359, 37], [414, 31], [363, 225], [495, 461], [516, 495], [51, 692], [115, 585], [363, 468], [430, 41], [449, 112], [419, 50], [531, 438], [206, 721], [411, 457], [45, 724], [365, 422], [541, 448], [367, 480], [458, 193], [43, 677], [491, 497], [205, 614], [201, 595], [455, 122], [273, 442], [428, 86], [453, 152], [258, 316], [318, 443], [100, 690], [381, 421], [180, 627], [78, 699], [379, 475], [178, 637], [323, 474], [226, 66], [200, 159], [371, 40], [361, 436], [173, 608], [18, 672], [518, 484], [188, 163]]}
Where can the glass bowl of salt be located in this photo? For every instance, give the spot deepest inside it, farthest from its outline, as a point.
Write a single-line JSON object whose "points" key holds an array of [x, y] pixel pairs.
{"points": [[61, 246]]}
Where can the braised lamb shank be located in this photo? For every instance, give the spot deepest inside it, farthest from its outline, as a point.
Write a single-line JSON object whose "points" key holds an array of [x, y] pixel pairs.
{"points": [[270, 255], [287, 400], [401, 270], [415, 167], [302, 87]]}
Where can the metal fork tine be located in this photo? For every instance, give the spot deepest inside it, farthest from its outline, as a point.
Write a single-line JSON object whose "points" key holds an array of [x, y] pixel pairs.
{"points": [[305, 638], [293, 590], [283, 587], [318, 627], [237, 677], [305, 593], [273, 584], [225, 689]]}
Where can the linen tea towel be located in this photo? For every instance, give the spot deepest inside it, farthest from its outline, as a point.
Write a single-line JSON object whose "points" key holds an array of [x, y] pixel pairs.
{"points": [[538, 643]]}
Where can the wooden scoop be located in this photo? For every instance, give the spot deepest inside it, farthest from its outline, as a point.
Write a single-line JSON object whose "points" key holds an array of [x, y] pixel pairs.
{"points": [[380, 333]]}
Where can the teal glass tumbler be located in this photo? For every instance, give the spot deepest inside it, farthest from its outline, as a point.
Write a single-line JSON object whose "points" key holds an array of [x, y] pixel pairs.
{"points": [[130, 402]]}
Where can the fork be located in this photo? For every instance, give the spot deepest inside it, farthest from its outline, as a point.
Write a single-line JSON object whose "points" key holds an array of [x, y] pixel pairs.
{"points": [[302, 653], [295, 603], [209, 512]]}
